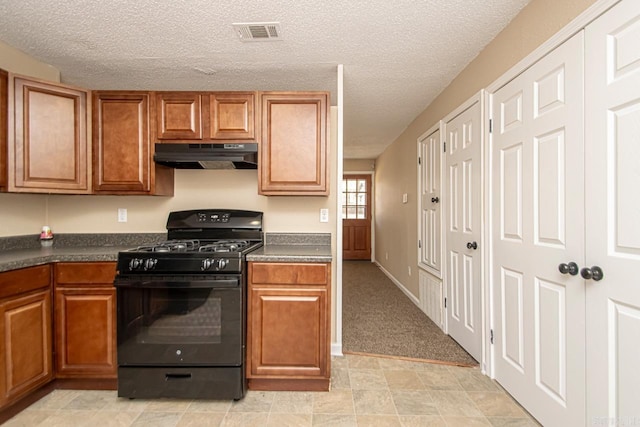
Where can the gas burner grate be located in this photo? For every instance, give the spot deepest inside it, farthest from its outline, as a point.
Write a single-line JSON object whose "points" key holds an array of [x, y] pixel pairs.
{"points": [[171, 246], [224, 246]]}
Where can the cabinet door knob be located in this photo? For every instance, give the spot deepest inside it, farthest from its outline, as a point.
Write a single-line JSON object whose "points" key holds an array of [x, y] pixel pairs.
{"points": [[472, 245], [569, 268], [594, 273], [435, 199]]}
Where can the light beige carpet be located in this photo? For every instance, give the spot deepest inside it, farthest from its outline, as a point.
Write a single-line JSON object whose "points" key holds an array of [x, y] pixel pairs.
{"points": [[378, 318]]}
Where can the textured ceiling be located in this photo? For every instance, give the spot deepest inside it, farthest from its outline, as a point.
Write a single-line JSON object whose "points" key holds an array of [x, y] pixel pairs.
{"points": [[397, 55]]}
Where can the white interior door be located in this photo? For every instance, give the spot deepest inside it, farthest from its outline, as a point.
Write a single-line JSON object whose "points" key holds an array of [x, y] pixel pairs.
{"points": [[612, 215], [537, 211], [463, 227], [429, 188]]}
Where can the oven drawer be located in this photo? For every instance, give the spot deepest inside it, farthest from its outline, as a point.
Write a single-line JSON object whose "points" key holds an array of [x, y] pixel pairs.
{"points": [[185, 383]]}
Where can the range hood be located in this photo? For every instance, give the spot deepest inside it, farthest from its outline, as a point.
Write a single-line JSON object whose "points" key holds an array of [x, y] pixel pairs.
{"points": [[207, 156]]}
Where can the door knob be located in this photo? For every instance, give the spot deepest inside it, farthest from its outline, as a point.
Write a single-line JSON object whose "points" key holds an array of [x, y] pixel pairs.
{"points": [[435, 199], [594, 273], [570, 268], [472, 245]]}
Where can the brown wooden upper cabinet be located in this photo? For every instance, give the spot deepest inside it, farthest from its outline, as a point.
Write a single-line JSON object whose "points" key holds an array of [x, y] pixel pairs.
{"points": [[50, 150], [123, 145], [4, 89], [206, 116], [294, 143], [232, 115], [179, 115]]}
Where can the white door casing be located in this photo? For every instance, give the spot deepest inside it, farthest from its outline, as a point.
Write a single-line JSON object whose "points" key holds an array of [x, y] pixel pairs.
{"points": [[464, 246], [429, 187], [537, 170], [612, 182]]}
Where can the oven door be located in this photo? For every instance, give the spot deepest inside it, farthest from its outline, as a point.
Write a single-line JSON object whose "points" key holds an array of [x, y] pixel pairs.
{"points": [[191, 322]]}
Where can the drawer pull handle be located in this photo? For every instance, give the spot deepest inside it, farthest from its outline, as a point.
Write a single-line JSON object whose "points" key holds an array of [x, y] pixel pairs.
{"points": [[174, 377]]}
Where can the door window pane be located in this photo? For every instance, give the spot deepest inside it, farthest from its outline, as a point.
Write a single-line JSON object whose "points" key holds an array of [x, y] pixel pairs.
{"points": [[354, 198]]}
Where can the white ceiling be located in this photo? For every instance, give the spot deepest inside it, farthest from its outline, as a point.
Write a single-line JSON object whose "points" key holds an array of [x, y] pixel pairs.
{"points": [[397, 55]]}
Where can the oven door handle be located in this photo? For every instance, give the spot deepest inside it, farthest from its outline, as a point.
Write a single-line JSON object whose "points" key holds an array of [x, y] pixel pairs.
{"points": [[178, 284]]}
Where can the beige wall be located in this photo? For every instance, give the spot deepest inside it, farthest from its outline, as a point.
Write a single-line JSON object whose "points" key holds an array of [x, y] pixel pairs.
{"points": [[194, 189], [396, 172], [15, 61], [359, 165]]}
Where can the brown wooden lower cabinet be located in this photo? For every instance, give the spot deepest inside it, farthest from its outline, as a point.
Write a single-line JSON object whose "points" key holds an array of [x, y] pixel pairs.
{"points": [[85, 320], [25, 332], [288, 326]]}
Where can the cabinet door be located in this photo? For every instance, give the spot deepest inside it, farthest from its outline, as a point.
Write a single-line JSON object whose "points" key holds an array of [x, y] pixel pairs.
{"points": [[85, 331], [3, 129], [179, 115], [121, 143], [50, 149], [85, 349], [232, 115], [288, 332], [25, 333], [294, 144]]}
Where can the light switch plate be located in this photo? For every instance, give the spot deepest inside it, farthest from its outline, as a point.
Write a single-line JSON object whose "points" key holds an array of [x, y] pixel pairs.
{"points": [[122, 215], [324, 215], [405, 198]]}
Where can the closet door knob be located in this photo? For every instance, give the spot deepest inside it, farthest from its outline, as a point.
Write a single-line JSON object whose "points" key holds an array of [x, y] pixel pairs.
{"points": [[570, 268], [594, 273], [472, 245], [435, 199]]}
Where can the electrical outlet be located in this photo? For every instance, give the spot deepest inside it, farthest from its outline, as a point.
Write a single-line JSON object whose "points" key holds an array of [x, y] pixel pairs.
{"points": [[122, 215], [324, 215]]}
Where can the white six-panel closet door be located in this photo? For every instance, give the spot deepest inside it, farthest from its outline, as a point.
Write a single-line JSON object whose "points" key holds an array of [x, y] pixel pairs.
{"points": [[612, 204], [537, 208], [463, 228]]}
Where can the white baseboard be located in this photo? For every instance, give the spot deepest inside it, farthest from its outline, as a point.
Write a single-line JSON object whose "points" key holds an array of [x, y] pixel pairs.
{"points": [[336, 349], [406, 291]]}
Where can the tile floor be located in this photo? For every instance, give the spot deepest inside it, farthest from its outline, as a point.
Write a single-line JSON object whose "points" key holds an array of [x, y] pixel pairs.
{"points": [[366, 391]]}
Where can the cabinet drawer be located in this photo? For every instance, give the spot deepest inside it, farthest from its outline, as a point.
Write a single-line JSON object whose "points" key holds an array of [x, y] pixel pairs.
{"points": [[289, 273], [85, 272], [24, 280]]}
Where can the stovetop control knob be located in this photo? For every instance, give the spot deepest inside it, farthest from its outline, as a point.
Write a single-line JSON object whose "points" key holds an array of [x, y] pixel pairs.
{"points": [[135, 264], [222, 263], [150, 263], [206, 264]]}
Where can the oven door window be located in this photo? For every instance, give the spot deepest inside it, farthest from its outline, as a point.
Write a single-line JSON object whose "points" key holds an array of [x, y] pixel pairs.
{"points": [[186, 325]]}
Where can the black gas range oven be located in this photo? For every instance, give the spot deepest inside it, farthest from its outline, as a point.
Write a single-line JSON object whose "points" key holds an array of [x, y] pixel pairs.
{"points": [[182, 308]]}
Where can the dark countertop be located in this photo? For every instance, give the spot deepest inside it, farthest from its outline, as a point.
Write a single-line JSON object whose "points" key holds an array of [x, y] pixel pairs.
{"points": [[22, 258], [25, 251], [294, 247], [291, 253]]}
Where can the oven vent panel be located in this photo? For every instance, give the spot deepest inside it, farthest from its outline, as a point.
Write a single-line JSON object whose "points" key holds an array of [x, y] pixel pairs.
{"points": [[258, 31]]}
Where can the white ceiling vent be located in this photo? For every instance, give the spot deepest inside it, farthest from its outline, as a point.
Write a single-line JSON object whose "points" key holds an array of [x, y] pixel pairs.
{"points": [[258, 31]]}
